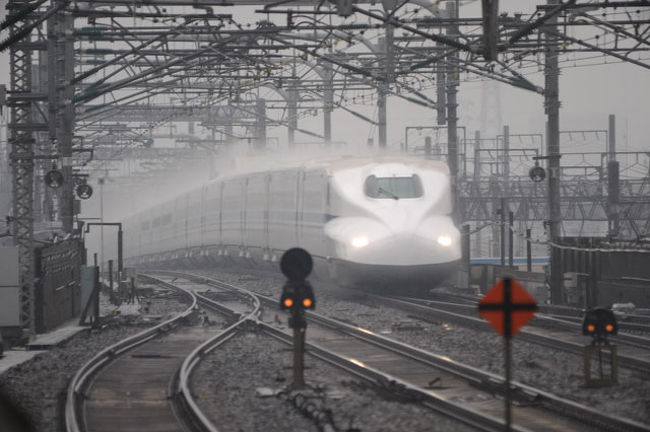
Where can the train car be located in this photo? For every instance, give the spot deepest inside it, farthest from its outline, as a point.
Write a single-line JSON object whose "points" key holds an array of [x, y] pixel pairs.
{"points": [[367, 221]]}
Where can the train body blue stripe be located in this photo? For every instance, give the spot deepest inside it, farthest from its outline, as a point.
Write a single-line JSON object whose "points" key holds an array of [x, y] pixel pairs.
{"points": [[516, 260]]}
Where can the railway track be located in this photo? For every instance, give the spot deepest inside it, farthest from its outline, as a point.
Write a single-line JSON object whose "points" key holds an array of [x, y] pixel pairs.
{"points": [[128, 384], [430, 379], [629, 323], [633, 350]]}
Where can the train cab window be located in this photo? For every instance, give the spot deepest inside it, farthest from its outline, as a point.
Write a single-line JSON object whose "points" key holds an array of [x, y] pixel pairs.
{"points": [[393, 187]]}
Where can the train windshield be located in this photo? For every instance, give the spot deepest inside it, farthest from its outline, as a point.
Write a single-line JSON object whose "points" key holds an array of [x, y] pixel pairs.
{"points": [[393, 187]]}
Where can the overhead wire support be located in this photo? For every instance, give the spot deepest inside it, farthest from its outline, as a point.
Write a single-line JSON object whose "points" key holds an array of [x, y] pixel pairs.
{"points": [[116, 59], [94, 92], [528, 29], [20, 14], [27, 29], [329, 59], [431, 36], [599, 49]]}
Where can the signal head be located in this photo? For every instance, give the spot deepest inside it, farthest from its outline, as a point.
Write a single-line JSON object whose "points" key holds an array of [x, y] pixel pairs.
{"points": [[599, 323], [296, 264], [288, 300], [537, 174], [54, 179]]}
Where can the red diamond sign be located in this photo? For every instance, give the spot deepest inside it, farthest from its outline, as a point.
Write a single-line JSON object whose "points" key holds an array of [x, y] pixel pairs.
{"points": [[507, 307]]}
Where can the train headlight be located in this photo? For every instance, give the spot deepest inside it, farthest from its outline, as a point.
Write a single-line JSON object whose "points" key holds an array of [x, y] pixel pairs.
{"points": [[444, 240], [360, 241]]}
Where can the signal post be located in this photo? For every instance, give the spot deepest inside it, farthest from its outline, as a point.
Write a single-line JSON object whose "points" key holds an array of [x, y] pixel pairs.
{"points": [[297, 295]]}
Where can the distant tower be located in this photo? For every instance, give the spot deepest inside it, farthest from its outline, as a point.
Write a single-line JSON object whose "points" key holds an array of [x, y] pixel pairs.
{"points": [[491, 124]]}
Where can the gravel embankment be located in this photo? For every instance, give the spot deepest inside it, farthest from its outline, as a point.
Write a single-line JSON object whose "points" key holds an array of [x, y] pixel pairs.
{"points": [[38, 386], [554, 371], [226, 384]]}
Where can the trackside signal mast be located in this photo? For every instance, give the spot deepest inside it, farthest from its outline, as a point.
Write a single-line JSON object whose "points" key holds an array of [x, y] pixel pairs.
{"points": [[297, 295], [600, 323]]}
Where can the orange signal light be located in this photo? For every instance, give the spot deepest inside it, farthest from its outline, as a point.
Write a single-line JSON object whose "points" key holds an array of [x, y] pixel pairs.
{"points": [[609, 328], [307, 302], [591, 328], [288, 302]]}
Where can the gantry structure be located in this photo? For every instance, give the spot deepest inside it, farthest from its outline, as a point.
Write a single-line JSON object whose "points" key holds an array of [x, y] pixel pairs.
{"points": [[98, 83]]}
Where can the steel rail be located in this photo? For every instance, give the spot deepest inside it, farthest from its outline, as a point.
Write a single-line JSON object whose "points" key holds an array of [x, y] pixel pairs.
{"points": [[477, 377], [545, 318], [634, 363], [195, 357], [182, 393], [494, 382], [455, 411], [80, 382]]}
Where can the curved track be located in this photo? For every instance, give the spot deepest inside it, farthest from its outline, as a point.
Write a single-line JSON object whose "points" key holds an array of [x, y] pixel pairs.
{"points": [[126, 386], [436, 381]]}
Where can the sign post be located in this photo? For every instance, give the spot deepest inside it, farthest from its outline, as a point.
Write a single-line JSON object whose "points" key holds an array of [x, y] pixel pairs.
{"points": [[507, 307]]}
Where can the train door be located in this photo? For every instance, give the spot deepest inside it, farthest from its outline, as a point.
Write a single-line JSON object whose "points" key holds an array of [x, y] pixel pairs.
{"points": [[220, 211], [255, 211], [265, 235], [242, 216], [204, 205], [283, 209], [232, 212], [313, 211]]}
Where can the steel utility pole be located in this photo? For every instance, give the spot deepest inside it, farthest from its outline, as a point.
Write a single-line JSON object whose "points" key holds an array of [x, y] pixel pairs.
{"points": [[66, 127], [382, 109], [452, 106], [228, 128], [613, 175], [21, 141], [260, 124], [61, 110], [441, 90], [552, 109], [328, 96], [292, 111]]}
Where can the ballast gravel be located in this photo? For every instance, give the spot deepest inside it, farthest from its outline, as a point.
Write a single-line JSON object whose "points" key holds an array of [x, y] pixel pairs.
{"points": [[38, 386], [243, 386], [554, 371]]}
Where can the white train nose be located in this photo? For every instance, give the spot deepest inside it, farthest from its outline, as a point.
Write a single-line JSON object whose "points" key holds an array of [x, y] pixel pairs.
{"points": [[404, 249]]}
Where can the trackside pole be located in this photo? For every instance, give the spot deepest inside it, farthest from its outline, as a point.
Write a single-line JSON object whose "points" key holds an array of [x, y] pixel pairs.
{"points": [[507, 307], [298, 349], [297, 295], [507, 324]]}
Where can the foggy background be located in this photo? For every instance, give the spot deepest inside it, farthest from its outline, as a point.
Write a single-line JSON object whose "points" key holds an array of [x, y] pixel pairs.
{"points": [[588, 94]]}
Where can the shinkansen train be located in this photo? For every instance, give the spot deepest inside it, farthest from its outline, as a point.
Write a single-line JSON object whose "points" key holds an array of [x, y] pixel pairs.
{"points": [[367, 221]]}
